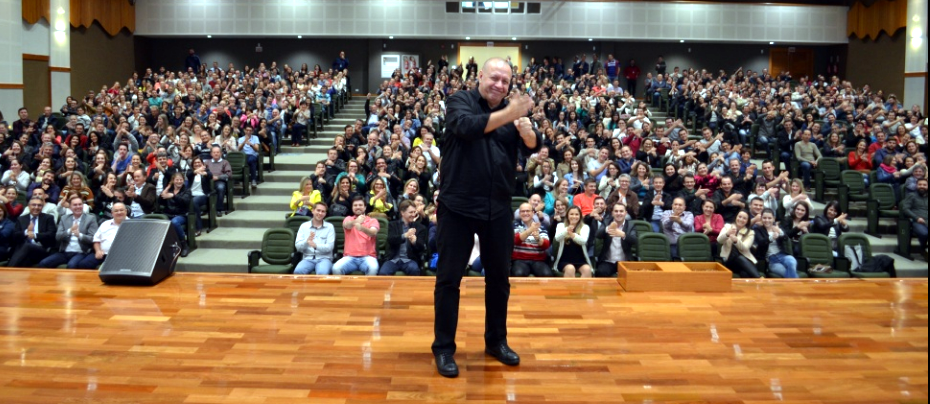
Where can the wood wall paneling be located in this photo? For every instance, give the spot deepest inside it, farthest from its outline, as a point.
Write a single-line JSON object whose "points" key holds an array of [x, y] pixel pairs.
{"points": [[798, 61], [35, 10], [37, 85], [113, 15], [869, 21]]}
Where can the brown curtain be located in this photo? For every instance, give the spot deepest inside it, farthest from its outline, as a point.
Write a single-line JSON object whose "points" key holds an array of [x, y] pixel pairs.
{"points": [[884, 15], [35, 10], [112, 15]]}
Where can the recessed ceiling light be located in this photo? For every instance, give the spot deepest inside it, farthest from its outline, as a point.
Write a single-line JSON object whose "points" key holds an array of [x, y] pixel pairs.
{"points": [[771, 43], [590, 39], [682, 41], [300, 36], [514, 38], [467, 38], [391, 37], [209, 36]]}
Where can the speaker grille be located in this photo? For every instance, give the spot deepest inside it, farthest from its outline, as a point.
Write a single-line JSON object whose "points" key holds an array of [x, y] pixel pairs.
{"points": [[138, 243]]}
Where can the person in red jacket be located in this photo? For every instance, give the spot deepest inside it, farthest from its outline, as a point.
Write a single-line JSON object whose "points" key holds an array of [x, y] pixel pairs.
{"points": [[631, 73], [530, 243], [860, 159]]}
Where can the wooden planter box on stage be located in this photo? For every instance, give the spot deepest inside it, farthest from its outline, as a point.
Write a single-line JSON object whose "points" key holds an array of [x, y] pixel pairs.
{"points": [[674, 277]]}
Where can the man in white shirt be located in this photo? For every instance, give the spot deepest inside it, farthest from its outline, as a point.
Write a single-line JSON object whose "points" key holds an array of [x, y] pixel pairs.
{"points": [[103, 238], [249, 144], [315, 240]]}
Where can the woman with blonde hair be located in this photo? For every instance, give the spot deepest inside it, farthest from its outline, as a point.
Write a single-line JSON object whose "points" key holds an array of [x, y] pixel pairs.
{"points": [[571, 238], [735, 240], [77, 185], [380, 203], [795, 196], [303, 199]]}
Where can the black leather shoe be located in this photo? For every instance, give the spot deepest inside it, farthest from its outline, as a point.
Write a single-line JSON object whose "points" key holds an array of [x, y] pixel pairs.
{"points": [[184, 252], [446, 366], [504, 354]]}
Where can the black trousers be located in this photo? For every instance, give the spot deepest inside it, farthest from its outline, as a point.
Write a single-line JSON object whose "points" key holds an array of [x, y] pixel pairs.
{"points": [[522, 268], [28, 255], [605, 270], [741, 265], [455, 240]]}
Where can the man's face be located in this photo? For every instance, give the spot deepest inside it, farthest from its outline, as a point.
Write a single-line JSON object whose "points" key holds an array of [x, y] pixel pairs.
{"points": [[358, 208], [922, 187], [216, 154], [535, 200], [35, 207], [23, 114], [138, 177], [768, 169], [688, 183], [734, 166], [658, 183], [526, 212], [77, 207], [756, 206], [590, 188], [600, 205], [726, 184], [48, 177], [319, 212], [494, 81]]}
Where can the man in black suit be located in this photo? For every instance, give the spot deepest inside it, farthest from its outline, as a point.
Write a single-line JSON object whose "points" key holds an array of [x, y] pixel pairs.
{"points": [[619, 236], [35, 235], [656, 202], [405, 243]]}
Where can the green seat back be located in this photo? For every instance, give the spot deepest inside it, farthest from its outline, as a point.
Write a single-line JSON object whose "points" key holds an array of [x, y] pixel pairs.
{"points": [[817, 248], [516, 201], [382, 235], [694, 247], [294, 223], [831, 168], [883, 194], [654, 247], [642, 226], [853, 179], [237, 160], [336, 221], [277, 246], [852, 239]]}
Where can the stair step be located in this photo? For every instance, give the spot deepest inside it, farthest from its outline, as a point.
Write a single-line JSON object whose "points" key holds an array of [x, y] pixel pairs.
{"points": [[233, 237], [254, 219]]}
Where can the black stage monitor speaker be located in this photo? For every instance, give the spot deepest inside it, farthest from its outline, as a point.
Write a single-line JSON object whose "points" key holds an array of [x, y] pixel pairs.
{"points": [[144, 252]]}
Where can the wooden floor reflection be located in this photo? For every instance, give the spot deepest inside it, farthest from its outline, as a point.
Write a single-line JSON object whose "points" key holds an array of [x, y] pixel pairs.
{"points": [[223, 338]]}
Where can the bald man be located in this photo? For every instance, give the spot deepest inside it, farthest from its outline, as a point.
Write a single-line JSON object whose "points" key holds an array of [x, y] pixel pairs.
{"points": [[484, 132]]}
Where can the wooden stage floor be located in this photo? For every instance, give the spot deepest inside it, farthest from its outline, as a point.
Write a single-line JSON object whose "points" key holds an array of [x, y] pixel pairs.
{"points": [[224, 338]]}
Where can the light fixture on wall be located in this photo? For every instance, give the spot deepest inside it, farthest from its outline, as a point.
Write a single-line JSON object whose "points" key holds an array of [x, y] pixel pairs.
{"points": [[60, 26], [391, 37], [300, 37], [682, 41], [771, 43], [60, 11], [468, 38], [209, 36], [917, 37], [513, 38]]}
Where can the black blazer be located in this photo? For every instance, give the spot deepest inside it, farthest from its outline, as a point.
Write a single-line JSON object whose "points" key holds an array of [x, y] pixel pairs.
{"points": [[396, 237], [45, 233], [647, 209], [627, 243], [822, 225]]}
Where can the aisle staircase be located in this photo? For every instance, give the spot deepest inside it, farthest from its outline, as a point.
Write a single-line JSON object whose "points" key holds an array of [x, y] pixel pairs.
{"points": [[225, 249]]}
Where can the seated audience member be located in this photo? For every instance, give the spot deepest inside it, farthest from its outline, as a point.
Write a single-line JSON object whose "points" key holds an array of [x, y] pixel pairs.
{"points": [[571, 239], [220, 170], [406, 243], [808, 154], [75, 236], [538, 207], [76, 186], [140, 195], [558, 216], [832, 223], [356, 179], [175, 202], [710, 223], [47, 183], [796, 224], [34, 235], [530, 245], [106, 197], [49, 208], [736, 240], [316, 240], [16, 176], [250, 144], [103, 238], [914, 208], [624, 195], [585, 200], [768, 196], [303, 200], [321, 181], [729, 201], [342, 197], [8, 198], [360, 252], [559, 191], [380, 203], [200, 183], [619, 236], [675, 222], [655, 203], [771, 240], [756, 206], [7, 231]]}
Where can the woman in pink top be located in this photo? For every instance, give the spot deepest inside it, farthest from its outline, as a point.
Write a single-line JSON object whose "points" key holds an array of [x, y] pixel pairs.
{"points": [[710, 223]]}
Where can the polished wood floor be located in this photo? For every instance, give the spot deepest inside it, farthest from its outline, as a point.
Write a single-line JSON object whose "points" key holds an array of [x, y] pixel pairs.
{"points": [[223, 338]]}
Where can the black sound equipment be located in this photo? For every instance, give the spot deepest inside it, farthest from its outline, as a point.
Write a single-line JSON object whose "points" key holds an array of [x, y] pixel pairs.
{"points": [[144, 252]]}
